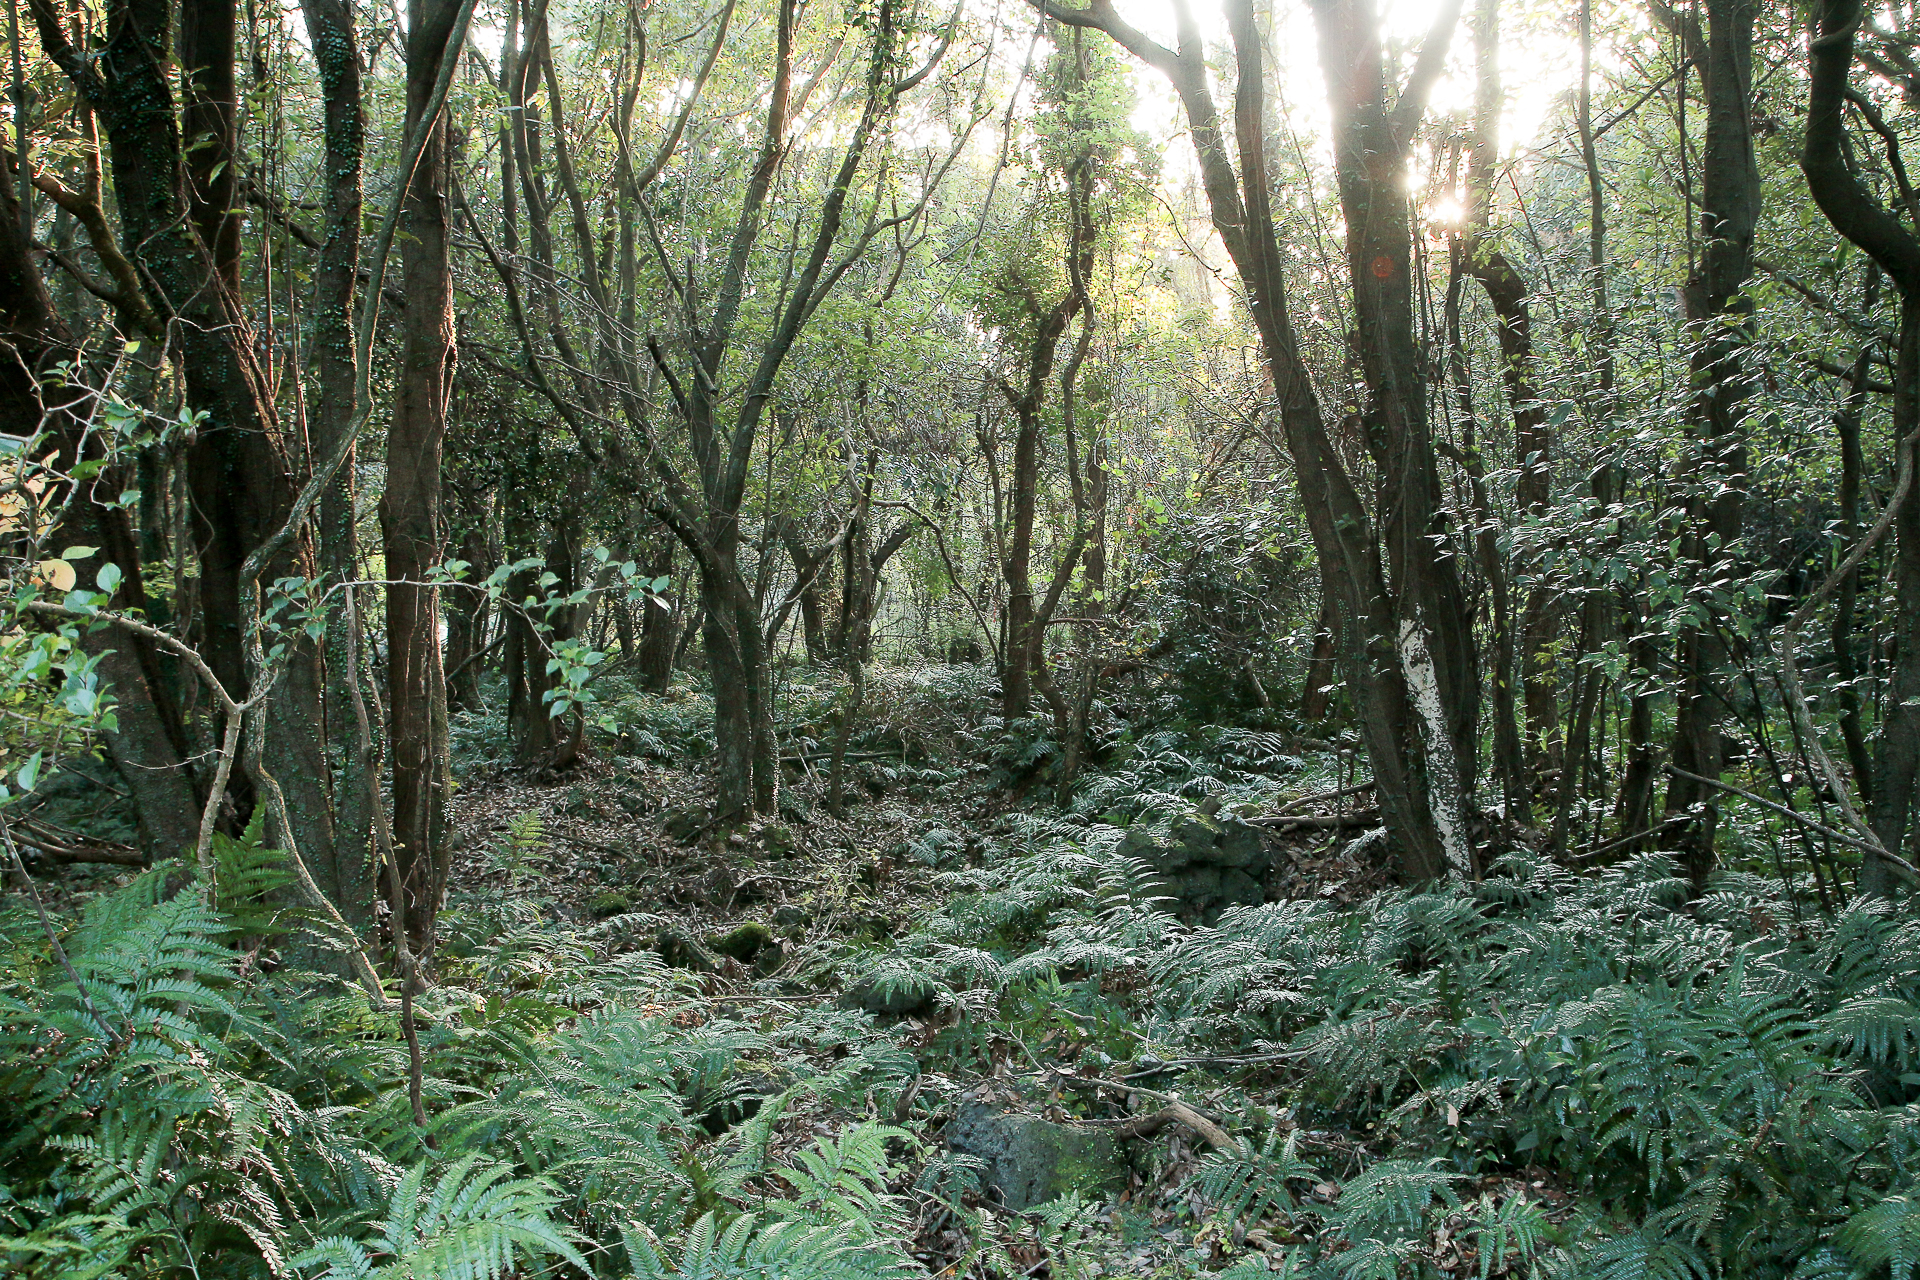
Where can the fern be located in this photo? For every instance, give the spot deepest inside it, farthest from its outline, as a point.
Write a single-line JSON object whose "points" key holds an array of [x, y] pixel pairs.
{"points": [[1506, 1232], [747, 1249], [514, 853], [474, 1223], [1391, 1200], [1253, 1184], [1886, 1235], [1647, 1254], [843, 1179]]}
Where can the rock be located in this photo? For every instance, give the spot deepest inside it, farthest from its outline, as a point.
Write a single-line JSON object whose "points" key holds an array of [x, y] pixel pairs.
{"points": [[897, 1002], [1196, 884], [875, 926], [1206, 866], [680, 950], [1196, 837], [790, 917], [741, 1102], [1238, 889], [1030, 1161], [1138, 843], [682, 825], [777, 839], [716, 889], [744, 942], [1242, 845], [611, 902]]}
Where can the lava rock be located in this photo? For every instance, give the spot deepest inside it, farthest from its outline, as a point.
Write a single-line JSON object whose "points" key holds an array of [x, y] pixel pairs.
{"points": [[612, 902], [1206, 866], [682, 825], [894, 1002], [680, 950], [1030, 1161], [744, 942], [1241, 844]]}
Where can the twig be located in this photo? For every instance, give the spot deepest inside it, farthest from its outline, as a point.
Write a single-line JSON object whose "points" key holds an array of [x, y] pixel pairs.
{"points": [[46, 924], [1320, 797], [1853, 841]]}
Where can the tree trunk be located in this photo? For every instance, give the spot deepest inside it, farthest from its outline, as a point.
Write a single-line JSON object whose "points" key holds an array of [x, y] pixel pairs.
{"points": [[745, 760], [1719, 313], [148, 743], [1318, 689], [468, 614], [809, 571], [332, 37], [1506, 290], [659, 638], [1845, 662], [412, 525], [1417, 698], [1896, 754]]}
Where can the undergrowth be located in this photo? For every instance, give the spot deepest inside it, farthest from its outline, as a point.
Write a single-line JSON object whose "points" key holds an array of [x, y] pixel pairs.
{"points": [[169, 1109], [1667, 1088], [1548, 1074]]}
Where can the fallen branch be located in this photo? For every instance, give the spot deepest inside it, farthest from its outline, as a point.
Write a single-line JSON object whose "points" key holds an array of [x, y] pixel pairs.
{"points": [[69, 855], [1677, 820], [1182, 1114], [1319, 821], [1121, 1086], [1172, 1111], [1319, 798], [896, 754], [57, 844]]}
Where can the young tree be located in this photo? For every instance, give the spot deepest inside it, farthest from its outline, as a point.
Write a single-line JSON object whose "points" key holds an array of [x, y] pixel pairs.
{"points": [[1405, 639], [1719, 313]]}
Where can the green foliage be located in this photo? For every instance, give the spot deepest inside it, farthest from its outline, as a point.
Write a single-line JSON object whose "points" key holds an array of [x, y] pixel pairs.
{"points": [[514, 852], [1719, 1096], [1253, 1184], [166, 1108], [475, 1223], [1887, 1235]]}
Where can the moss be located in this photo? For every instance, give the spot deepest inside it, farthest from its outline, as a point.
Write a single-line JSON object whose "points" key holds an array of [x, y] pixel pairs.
{"points": [[610, 902], [743, 942]]}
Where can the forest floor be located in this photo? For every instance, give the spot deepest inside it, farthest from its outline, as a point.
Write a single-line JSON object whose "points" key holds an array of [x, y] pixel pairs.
{"points": [[1181, 1025], [771, 914]]}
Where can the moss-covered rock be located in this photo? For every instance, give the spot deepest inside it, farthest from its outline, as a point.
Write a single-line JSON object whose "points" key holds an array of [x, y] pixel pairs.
{"points": [[680, 950], [1030, 1161], [608, 902], [743, 942]]}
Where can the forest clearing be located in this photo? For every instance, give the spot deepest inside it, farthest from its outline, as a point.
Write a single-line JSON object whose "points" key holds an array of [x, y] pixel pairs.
{"points": [[978, 639]]}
